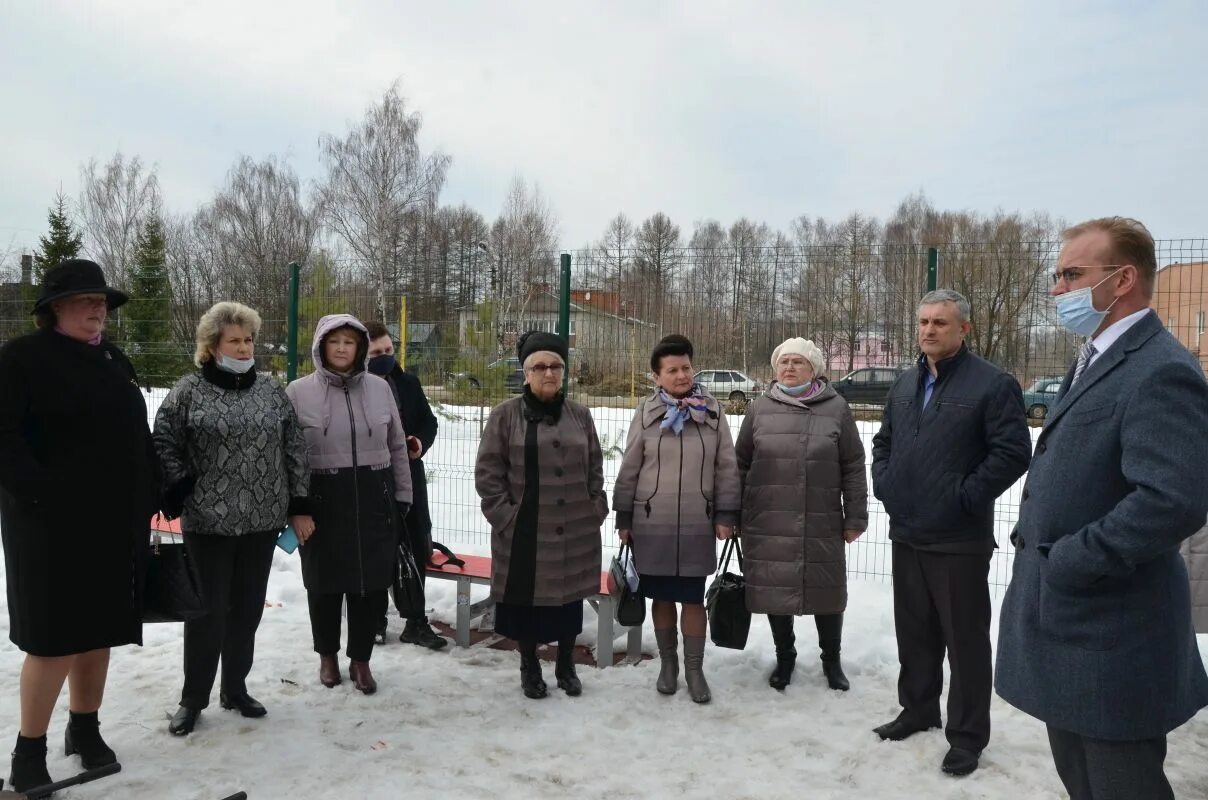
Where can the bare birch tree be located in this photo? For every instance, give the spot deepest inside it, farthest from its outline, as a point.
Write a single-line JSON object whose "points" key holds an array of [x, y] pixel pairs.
{"points": [[376, 175], [115, 199]]}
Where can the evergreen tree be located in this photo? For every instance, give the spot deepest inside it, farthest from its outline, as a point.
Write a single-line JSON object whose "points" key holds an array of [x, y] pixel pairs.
{"points": [[63, 242], [322, 298], [147, 318]]}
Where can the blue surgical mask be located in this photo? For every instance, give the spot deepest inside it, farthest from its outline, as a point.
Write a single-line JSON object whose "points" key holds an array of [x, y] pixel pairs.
{"points": [[235, 365], [1076, 310], [797, 391]]}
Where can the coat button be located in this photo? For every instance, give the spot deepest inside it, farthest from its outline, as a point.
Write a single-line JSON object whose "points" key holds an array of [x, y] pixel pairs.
{"points": [[1040, 448], [561, 501], [558, 530], [557, 442], [558, 471]]}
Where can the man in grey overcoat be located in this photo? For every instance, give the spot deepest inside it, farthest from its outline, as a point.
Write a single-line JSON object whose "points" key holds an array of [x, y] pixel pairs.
{"points": [[1095, 634]]}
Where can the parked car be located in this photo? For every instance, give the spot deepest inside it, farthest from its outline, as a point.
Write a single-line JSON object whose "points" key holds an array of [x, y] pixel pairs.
{"points": [[505, 372], [728, 384], [868, 385], [1038, 397]]}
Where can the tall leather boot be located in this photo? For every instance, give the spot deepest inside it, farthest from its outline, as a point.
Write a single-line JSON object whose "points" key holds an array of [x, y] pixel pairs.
{"points": [[830, 637], [786, 653], [83, 736], [668, 642], [694, 675], [29, 764], [530, 671], [564, 671]]}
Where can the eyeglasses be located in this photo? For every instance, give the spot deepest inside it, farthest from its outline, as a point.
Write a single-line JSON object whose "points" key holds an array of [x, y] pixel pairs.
{"points": [[795, 363], [552, 369], [1071, 274]]}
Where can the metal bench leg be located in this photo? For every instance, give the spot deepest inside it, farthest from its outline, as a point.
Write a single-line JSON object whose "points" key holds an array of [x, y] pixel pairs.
{"points": [[604, 632], [463, 612], [634, 649]]}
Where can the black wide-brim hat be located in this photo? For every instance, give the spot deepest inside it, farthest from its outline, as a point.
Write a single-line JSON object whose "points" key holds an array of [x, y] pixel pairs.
{"points": [[76, 276]]}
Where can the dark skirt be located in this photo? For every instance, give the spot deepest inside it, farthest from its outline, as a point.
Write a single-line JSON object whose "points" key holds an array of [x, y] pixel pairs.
{"points": [[673, 588], [539, 623]]}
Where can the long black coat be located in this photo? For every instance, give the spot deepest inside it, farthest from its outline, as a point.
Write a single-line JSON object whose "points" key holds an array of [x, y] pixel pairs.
{"points": [[420, 422], [78, 487]]}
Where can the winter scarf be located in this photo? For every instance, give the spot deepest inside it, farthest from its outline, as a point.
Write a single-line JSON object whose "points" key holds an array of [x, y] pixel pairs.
{"points": [[680, 409]]}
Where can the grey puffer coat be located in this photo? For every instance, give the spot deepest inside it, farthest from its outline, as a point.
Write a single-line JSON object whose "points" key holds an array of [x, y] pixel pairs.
{"points": [[671, 490], [803, 484], [232, 453]]}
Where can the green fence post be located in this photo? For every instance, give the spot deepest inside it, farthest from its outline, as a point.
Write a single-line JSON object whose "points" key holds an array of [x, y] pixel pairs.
{"points": [[933, 269], [564, 312], [291, 336]]}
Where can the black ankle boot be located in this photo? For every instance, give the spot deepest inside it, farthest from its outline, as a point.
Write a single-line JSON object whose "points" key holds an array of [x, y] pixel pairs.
{"points": [[530, 672], [29, 764], [786, 653], [83, 736], [564, 670]]}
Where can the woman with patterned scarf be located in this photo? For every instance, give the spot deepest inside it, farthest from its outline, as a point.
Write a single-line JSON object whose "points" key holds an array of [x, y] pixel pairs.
{"points": [[677, 489]]}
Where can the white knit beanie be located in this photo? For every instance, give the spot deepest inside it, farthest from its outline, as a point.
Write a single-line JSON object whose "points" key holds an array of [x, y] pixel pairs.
{"points": [[801, 347]]}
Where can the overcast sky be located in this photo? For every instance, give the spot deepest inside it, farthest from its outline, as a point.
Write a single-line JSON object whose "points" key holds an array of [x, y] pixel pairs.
{"points": [[698, 109]]}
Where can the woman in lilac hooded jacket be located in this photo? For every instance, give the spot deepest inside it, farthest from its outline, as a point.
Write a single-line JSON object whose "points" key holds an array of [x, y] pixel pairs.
{"points": [[360, 488]]}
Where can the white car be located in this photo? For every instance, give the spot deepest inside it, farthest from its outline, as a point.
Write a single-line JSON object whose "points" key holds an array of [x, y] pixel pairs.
{"points": [[728, 384]]}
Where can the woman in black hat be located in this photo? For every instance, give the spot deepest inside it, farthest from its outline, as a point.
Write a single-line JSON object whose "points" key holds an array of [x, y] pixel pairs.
{"points": [[540, 474], [77, 490]]}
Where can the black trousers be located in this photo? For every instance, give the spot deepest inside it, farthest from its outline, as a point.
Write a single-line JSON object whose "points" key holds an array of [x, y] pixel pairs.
{"points": [[233, 571], [363, 611], [941, 602], [1097, 769]]}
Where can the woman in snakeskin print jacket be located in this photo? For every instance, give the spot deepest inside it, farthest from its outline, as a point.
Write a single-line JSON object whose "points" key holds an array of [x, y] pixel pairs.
{"points": [[234, 462]]}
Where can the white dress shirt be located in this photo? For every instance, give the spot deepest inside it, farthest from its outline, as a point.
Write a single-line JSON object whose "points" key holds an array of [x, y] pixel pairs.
{"points": [[1114, 332]]}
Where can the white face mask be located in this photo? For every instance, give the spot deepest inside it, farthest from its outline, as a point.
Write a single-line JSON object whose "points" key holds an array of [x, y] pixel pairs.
{"points": [[236, 365]]}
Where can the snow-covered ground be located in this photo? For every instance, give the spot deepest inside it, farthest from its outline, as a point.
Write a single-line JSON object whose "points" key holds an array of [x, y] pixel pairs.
{"points": [[454, 723]]}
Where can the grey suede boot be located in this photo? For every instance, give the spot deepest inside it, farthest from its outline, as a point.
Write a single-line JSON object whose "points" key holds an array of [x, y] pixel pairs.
{"points": [[694, 676], [668, 642]]}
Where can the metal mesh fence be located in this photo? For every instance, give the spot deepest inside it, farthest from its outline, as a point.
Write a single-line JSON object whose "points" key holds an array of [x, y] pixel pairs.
{"points": [[856, 301]]}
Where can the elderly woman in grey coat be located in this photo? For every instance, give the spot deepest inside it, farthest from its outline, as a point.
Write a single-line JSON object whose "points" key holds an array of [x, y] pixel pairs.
{"points": [[804, 499], [540, 474], [677, 489], [234, 463], [360, 482]]}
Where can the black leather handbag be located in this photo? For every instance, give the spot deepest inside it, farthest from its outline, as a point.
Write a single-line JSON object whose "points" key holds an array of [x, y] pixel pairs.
{"points": [[726, 602], [171, 589], [629, 607], [408, 584]]}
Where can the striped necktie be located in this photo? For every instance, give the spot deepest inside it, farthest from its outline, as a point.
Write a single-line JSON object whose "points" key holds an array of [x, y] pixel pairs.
{"points": [[1085, 354]]}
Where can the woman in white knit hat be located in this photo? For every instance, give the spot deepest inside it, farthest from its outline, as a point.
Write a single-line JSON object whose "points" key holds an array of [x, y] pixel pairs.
{"points": [[804, 499]]}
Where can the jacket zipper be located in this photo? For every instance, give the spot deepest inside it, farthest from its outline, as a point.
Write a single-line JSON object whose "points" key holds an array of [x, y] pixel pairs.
{"points": [[679, 500], [356, 488]]}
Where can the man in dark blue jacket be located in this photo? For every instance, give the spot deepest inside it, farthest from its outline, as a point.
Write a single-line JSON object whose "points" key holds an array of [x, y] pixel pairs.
{"points": [[1095, 636], [953, 438], [420, 424]]}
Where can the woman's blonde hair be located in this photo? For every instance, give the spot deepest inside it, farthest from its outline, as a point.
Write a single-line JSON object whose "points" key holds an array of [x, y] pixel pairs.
{"points": [[214, 321]]}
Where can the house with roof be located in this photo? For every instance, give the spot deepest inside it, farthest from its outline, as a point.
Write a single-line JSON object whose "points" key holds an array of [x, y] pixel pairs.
{"points": [[598, 335], [1180, 299]]}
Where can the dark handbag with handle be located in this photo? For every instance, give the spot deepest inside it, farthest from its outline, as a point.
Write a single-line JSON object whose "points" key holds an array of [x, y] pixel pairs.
{"points": [[726, 602], [171, 589], [408, 584], [629, 607]]}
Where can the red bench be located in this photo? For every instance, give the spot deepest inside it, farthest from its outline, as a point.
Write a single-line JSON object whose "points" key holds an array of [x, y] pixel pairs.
{"points": [[477, 570]]}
